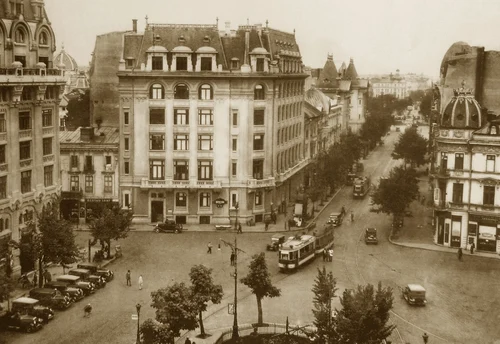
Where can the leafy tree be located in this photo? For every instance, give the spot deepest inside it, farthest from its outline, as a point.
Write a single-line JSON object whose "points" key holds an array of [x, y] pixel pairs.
{"points": [[175, 306], [78, 109], [411, 147], [364, 315], [154, 332], [6, 285], [324, 289], [426, 104], [394, 194], [417, 95], [110, 224], [204, 290], [259, 281]]}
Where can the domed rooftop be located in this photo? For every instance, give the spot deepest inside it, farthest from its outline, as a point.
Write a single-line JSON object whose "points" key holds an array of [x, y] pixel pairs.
{"points": [[63, 58], [182, 49], [318, 99], [157, 49], [463, 111], [259, 51], [206, 50]]}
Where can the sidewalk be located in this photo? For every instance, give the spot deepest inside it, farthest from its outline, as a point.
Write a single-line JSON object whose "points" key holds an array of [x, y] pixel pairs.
{"points": [[418, 231]]}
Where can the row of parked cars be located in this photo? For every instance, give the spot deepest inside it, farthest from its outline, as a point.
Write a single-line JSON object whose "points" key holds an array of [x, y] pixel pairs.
{"points": [[29, 314]]}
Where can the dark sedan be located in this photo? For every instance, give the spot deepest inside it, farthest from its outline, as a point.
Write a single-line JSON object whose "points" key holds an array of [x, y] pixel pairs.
{"points": [[168, 226]]}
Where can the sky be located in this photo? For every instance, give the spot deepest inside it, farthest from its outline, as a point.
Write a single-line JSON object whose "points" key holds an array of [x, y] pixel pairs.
{"points": [[379, 35]]}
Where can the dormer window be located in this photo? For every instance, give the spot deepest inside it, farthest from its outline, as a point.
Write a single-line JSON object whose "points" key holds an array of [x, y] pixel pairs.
{"points": [[206, 63], [235, 63], [182, 63], [260, 64], [130, 63], [157, 62]]}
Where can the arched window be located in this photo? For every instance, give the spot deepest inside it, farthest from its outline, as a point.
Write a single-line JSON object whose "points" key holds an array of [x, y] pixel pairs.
{"points": [[259, 92], [20, 35], [205, 92], [44, 40], [181, 91], [156, 91]]}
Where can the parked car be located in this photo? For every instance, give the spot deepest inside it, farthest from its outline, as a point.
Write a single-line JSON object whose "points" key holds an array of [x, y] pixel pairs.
{"points": [[371, 236], [97, 270], [276, 241], [29, 306], [168, 226], [51, 298], [86, 275], [75, 294], [335, 219], [18, 321], [76, 282], [414, 294]]}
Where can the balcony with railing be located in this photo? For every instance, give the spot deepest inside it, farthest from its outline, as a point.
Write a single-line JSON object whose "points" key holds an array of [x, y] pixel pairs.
{"points": [[261, 183], [179, 184], [281, 177], [88, 169], [26, 133]]}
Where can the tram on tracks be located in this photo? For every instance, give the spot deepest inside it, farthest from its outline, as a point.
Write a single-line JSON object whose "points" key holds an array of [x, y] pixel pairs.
{"points": [[302, 248]]}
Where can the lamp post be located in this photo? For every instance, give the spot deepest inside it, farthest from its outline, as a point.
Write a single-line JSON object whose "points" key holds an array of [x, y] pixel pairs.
{"points": [[236, 207], [138, 308]]}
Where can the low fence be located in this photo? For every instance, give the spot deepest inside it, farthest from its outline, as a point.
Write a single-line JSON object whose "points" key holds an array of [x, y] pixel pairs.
{"points": [[265, 328]]}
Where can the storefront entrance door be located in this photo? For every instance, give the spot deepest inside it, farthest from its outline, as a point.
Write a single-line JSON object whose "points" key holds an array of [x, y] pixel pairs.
{"points": [[156, 211], [440, 236]]}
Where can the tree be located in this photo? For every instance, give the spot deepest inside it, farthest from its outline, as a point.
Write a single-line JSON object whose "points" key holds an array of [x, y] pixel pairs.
{"points": [[324, 289], [426, 104], [154, 332], [78, 109], [364, 315], [394, 194], [6, 284], [110, 224], [175, 306], [259, 281], [411, 147], [204, 290]]}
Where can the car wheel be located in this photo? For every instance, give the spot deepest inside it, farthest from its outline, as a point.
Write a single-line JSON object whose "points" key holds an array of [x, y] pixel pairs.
{"points": [[157, 230], [176, 231], [29, 329]]}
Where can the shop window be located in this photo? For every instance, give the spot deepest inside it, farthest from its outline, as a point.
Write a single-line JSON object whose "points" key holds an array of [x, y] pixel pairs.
{"points": [[459, 161], [488, 195], [181, 199], [458, 192]]}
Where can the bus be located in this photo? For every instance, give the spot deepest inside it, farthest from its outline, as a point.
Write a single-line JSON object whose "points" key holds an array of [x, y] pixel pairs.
{"points": [[296, 252]]}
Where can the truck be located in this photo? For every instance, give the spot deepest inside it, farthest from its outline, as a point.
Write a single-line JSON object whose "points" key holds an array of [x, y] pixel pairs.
{"points": [[361, 186]]}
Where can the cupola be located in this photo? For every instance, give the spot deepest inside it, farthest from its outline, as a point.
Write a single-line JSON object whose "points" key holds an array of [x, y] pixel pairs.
{"points": [[463, 110]]}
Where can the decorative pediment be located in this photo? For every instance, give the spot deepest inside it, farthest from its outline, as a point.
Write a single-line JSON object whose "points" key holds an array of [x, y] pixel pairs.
{"points": [[489, 181]]}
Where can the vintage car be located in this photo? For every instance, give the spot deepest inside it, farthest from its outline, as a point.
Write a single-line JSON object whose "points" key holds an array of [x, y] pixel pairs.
{"points": [[276, 241], [97, 270], [27, 305], [414, 294], [18, 321], [51, 298], [76, 282], [86, 275], [168, 226], [75, 294], [350, 178], [371, 236], [336, 219]]}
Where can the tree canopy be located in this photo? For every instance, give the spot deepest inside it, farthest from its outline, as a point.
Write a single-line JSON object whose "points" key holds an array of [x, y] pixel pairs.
{"points": [[364, 315], [259, 282], [78, 109], [6, 284], [394, 194], [175, 306], [324, 290], [154, 332], [203, 290], [426, 103], [110, 224], [411, 147]]}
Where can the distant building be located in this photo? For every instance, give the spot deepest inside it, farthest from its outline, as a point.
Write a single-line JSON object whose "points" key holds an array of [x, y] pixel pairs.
{"points": [[30, 91], [76, 77], [466, 146], [89, 170], [212, 121], [398, 85]]}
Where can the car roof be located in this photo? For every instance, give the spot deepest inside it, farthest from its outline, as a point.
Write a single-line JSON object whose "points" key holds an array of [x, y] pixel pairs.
{"points": [[335, 213], [278, 236], [88, 264], [416, 287], [57, 283], [80, 270], [26, 300], [371, 229], [68, 277], [43, 290]]}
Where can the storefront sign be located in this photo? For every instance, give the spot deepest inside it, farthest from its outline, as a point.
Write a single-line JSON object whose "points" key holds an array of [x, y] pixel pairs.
{"points": [[220, 202], [98, 200], [484, 219]]}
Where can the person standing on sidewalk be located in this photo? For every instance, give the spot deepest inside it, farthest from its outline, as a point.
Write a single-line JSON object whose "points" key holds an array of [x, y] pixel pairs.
{"points": [[472, 247], [232, 258], [127, 276], [239, 228], [209, 247], [352, 216], [140, 281], [459, 253]]}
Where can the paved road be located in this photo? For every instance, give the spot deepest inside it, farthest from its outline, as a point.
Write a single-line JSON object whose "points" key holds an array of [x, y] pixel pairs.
{"points": [[463, 296]]}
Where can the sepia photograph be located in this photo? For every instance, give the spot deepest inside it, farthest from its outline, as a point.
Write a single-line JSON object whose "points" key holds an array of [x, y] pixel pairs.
{"points": [[249, 172]]}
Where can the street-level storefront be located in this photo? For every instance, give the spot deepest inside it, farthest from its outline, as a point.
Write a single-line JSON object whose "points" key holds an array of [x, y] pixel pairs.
{"points": [[93, 206], [484, 231], [449, 228]]}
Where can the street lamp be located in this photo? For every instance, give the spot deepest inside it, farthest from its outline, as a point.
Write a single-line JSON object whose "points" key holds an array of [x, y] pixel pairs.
{"points": [[236, 207], [425, 337], [138, 308]]}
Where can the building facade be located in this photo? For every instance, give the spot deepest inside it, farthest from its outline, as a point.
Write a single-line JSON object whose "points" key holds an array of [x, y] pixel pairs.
{"points": [[89, 171], [466, 147], [398, 85], [212, 122], [30, 90]]}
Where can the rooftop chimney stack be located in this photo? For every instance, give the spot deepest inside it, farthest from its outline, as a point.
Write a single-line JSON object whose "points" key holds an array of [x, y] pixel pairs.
{"points": [[134, 25]]}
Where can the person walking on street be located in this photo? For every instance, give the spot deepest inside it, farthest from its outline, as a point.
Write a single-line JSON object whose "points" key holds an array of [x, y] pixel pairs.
{"points": [[330, 255], [472, 247], [352, 216], [87, 310], [324, 254], [239, 228], [187, 341], [47, 276], [459, 253], [232, 258], [140, 282], [127, 276], [209, 247]]}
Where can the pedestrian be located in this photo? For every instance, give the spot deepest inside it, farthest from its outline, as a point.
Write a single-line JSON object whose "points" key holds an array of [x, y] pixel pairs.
{"points": [[239, 228], [459, 253], [187, 341], [472, 247], [140, 281], [352, 216], [232, 258], [47, 276], [330, 255], [273, 217], [87, 310], [35, 279], [209, 247], [324, 254], [127, 276], [267, 226]]}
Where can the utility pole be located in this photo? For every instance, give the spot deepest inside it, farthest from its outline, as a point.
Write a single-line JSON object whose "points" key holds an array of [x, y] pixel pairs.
{"points": [[235, 249]]}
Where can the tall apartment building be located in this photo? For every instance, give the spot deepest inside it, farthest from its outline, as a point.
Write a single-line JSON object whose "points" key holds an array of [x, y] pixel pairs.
{"points": [[212, 122], [466, 147], [398, 85], [30, 90]]}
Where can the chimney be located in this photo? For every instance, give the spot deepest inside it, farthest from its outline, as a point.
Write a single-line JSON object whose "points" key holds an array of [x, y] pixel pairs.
{"points": [[228, 28], [86, 134], [134, 25]]}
